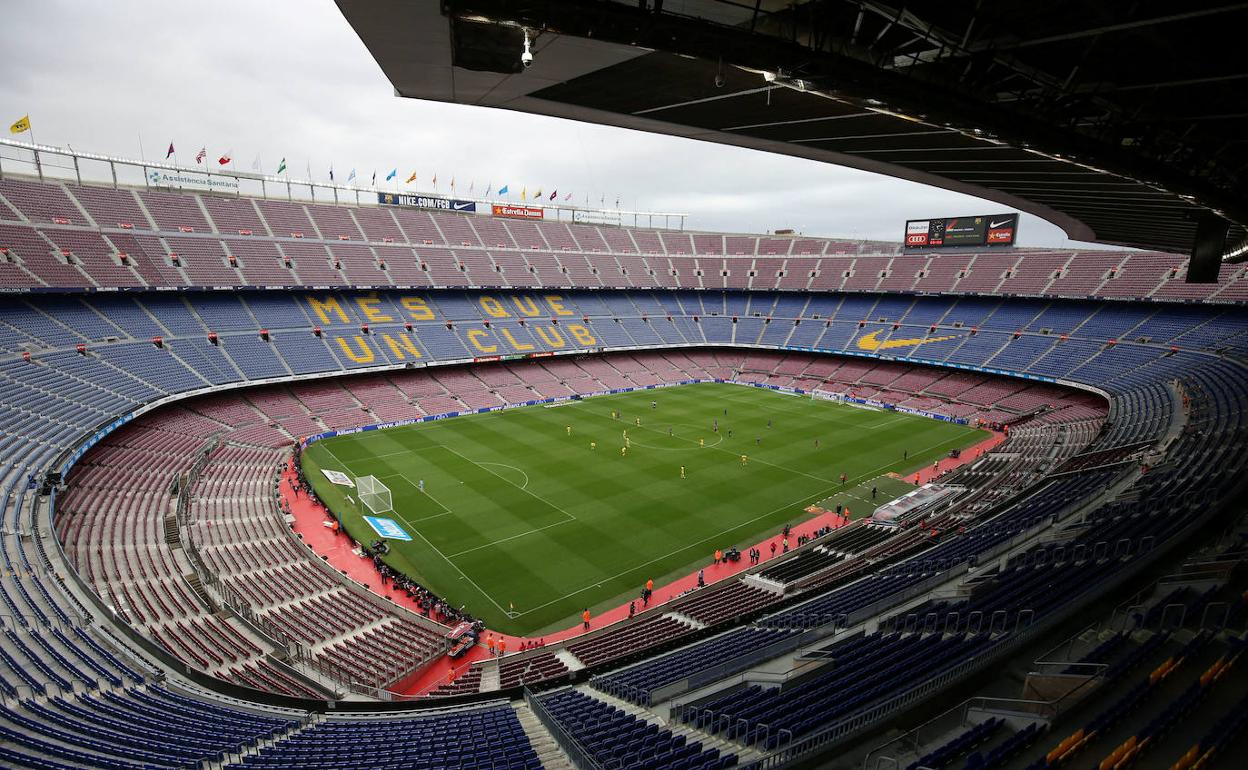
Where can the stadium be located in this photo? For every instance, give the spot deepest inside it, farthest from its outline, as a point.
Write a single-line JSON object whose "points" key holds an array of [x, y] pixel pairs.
{"points": [[304, 474]]}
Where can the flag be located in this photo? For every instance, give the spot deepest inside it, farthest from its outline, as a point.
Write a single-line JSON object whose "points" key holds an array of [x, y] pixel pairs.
{"points": [[255, 164], [392, 174], [281, 166], [351, 175], [411, 178], [169, 151], [224, 159], [489, 188], [524, 193], [452, 183], [472, 185], [602, 201], [537, 194], [503, 190], [331, 172], [22, 124], [554, 194], [374, 178], [567, 197], [203, 153]]}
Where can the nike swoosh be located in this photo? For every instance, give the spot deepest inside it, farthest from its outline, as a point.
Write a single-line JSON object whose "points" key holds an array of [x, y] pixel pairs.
{"points": [[869, 341], [998, 224], [462, 206]]}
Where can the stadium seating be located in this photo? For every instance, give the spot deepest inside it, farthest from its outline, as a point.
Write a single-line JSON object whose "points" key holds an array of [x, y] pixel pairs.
{"points": [[171, 562], [201, 230], [610, 735], [472, 739]]}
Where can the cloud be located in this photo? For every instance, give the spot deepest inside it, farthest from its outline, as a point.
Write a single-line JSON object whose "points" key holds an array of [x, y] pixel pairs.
{"points": [[289, 78]]}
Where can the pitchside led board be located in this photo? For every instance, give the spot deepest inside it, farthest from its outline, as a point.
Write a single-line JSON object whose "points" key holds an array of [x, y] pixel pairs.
{"points": [[995, 230]]}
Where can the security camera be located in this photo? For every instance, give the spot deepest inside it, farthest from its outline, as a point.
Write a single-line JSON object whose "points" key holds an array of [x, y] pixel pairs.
{"points": [[526, 58]]}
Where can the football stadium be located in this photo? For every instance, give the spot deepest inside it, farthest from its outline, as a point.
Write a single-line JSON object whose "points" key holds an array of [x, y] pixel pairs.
{"points": [[313, 473]]}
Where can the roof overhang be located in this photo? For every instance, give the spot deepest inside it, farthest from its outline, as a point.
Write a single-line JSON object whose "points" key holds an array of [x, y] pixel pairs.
{"points": [[610, 63]]}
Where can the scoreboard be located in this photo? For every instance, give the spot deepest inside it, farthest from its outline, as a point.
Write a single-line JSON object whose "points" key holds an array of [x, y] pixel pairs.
{"points": [[995, 230]]}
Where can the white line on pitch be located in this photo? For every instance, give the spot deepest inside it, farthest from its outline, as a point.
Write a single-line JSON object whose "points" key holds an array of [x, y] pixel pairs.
{"points": [[534, 495], [434, 548], [445, 510], [505, 539], [514, 468]]}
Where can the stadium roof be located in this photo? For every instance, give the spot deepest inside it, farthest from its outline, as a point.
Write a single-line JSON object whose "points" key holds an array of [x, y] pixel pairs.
{"points": [[1120, 123]]}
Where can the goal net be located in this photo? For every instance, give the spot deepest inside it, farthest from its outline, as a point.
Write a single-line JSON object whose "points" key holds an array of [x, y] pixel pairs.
{"points": [[373, 494]]}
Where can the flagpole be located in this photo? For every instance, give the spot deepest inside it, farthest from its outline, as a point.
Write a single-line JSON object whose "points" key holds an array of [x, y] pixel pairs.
{"points": [[30, 126]]}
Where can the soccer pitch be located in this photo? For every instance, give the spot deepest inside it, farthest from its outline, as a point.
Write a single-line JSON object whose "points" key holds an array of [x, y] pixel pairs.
{"points": [[520, 509]]}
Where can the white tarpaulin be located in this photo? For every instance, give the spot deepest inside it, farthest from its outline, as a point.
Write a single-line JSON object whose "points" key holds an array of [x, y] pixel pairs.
{"points": [[339, 478]]}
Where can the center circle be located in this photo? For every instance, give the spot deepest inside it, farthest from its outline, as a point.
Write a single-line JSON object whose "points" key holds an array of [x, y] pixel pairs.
{"points": [[699, 432]]}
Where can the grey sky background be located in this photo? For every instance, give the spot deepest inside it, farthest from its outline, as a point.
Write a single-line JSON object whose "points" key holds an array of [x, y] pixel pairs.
{"points": [[290, 78]]}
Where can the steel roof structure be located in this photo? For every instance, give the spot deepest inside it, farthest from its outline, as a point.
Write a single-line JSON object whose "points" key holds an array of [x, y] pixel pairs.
{"points": [[1121, 123]]}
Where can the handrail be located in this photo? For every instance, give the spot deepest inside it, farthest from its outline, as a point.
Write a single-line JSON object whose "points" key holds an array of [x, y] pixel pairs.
{"points": [[579, 755]]}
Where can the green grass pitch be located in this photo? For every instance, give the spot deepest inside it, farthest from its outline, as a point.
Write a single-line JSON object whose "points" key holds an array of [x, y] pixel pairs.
{"points": [[518, 512]]}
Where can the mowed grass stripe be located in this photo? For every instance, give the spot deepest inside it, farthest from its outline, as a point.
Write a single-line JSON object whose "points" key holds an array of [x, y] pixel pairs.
{"points": [[634, 518]]}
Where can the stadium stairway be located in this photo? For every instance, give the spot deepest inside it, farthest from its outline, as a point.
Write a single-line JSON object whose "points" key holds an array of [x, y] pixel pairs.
{"points": [[571, 661], [490, 676], [548, 750]]}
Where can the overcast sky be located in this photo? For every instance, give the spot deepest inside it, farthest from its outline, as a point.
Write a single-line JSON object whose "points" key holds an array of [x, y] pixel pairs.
{"points": [[290, 78]]}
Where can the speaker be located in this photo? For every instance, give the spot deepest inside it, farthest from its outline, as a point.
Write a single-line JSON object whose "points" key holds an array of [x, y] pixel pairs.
{"points": [[1207, 250]]}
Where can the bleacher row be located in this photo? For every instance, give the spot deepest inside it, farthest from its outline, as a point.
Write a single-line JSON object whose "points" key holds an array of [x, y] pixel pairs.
{"points": [[69, 236]]}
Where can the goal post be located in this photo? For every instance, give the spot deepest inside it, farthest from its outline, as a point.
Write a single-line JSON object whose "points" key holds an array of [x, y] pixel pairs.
{"points": [[374, 495]]}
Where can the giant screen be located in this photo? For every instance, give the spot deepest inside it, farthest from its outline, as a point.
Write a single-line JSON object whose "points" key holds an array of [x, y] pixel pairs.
{"points": [[985, 230]]}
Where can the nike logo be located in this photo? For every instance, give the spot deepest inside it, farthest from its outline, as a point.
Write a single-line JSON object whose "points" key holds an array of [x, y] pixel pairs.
{"points": [[998, 224], [462, 206], [869, 341]]}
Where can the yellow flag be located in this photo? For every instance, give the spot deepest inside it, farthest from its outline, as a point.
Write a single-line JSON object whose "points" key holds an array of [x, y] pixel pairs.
{"points": [[524, 193], [23, 124], [410, 178]]}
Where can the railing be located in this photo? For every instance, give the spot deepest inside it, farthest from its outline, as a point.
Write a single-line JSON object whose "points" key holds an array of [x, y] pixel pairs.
{"points": [[227, 181], [721, 670], [571, 746], [854, 724], [939, 726]]}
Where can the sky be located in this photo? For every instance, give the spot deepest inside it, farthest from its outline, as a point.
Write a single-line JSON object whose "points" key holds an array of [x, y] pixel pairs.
{"points": [[290, 78]]}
